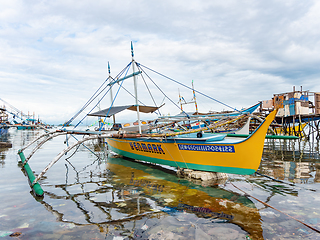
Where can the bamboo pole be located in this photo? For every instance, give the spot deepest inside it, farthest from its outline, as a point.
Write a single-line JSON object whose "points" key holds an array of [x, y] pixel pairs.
{"points": [[42, 143], [90, 137], [38, 138]]}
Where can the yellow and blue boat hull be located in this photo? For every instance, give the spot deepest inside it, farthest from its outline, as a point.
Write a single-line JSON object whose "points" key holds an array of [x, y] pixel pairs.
{"points": [[228, 155]]}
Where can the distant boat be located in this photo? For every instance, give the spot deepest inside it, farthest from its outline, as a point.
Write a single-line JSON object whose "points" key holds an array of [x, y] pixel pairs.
{"points": [[22, 125]]}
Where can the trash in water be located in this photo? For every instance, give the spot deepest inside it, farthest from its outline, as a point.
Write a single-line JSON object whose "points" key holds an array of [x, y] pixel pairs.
{"points": [[15, 234], [144, 227], [122, 204]]}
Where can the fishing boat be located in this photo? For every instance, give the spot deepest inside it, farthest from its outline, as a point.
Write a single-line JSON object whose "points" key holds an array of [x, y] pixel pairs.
{"points": [[205, 152], [192, 149]]}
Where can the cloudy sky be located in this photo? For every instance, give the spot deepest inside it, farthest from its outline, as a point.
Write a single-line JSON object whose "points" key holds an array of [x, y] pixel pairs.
{"points": [[54, 54]]}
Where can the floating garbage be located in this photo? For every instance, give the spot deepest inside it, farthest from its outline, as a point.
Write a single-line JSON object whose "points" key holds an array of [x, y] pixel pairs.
{"points": [[122, 204], [168, 200], [15, 234]]}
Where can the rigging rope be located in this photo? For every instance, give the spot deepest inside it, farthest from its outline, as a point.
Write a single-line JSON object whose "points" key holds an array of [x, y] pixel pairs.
{"points": [[189, 88], [85, 146], [92, 98], [128, 67], [86, 104], [92, 108], [149, 90], [161, 90]]}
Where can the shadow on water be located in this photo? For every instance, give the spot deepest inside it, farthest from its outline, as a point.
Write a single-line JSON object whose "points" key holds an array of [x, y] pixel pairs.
{"points": [[140, 200]]}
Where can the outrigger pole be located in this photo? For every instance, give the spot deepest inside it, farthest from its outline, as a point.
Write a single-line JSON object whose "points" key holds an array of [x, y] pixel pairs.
{"points": [[36, 186], [33, 181]]}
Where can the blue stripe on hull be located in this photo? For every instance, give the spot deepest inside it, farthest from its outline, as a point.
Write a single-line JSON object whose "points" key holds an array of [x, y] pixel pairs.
{"points": [[242, 171]]}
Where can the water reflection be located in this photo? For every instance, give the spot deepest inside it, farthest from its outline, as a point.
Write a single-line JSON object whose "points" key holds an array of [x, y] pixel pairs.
{"points": [[91, 196], [3, 149], [143, 200], [2, 156], [294, 161]]}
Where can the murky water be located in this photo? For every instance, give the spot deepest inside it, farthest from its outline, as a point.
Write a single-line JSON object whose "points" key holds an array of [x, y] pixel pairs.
{"points": [[96, 195]]}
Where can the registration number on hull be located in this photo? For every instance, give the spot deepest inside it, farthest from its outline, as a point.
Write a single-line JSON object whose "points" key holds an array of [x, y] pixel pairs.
{"points": [[206, 148]]}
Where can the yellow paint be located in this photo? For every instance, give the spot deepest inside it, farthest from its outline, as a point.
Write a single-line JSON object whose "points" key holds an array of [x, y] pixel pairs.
{"points": [[297, 129], [247, 153], [173, 193]]}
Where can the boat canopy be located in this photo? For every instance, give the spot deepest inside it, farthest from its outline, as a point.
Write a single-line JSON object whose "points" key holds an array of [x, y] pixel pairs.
{"points": [[114, 110]]}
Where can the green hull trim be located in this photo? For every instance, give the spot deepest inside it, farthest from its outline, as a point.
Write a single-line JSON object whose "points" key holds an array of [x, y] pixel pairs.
{"points": [[36, 187], [267, 136], [241, 171]]}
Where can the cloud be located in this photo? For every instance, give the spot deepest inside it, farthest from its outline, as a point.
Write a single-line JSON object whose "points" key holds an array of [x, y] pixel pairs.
{"points": [[54, 54]]}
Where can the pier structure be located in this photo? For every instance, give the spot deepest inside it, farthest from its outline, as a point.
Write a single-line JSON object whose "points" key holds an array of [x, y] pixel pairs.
{"points": [[298, 113]]}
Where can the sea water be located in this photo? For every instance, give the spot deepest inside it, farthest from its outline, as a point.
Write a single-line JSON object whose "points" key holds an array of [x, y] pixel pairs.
{"points": [[91, 193]]}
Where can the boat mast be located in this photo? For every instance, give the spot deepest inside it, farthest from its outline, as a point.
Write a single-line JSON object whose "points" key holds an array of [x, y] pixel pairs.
{"points": [[135, 87], [180, 100], [194, 98], [111, 95]]}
